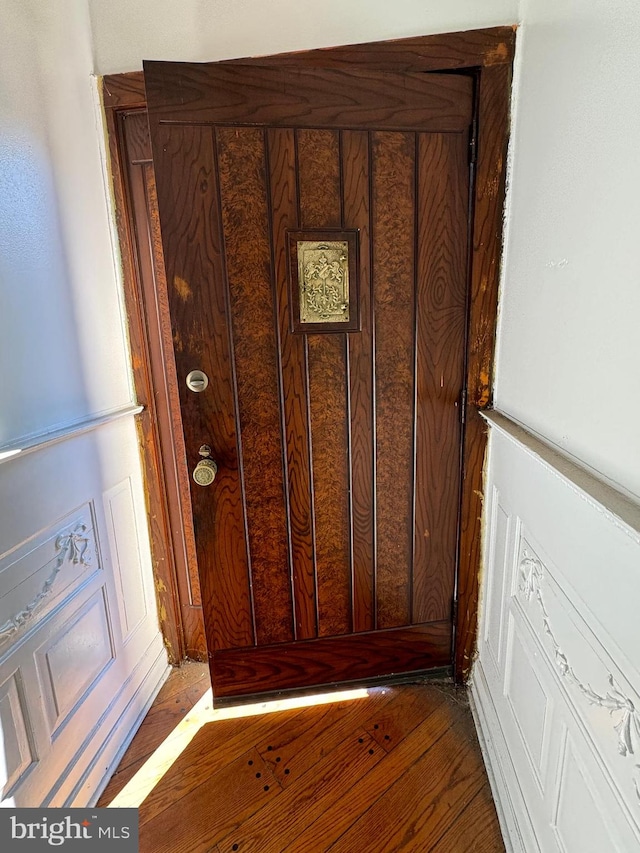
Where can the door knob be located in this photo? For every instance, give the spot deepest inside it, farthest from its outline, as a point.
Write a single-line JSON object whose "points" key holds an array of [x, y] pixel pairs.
{"points": [[205, 471]]}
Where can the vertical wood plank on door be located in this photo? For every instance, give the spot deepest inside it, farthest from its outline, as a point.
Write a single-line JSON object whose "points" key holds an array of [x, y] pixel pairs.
{"points": [[183, 514], [241, 165], [393, 156], [321, 207], [357, 207], [440, 340], [319, 178], [293, 390], [196, 290]]}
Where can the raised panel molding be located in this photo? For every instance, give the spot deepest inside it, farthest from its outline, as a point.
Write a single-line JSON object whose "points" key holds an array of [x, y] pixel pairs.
{"points": [[580, 818], [624, 716], [74, 660], [71, 693], [530, 703], [513, 807], [18, 752], [72, 545], [125, 553], [494, 632], [556, 686]]}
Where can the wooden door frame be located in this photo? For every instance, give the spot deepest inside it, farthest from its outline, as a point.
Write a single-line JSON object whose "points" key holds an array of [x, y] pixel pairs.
{"points": [[159, 425], [488, 55]]}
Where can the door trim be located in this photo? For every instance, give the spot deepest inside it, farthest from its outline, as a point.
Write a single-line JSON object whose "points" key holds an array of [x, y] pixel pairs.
{"points": [[488, 55], [167, 500]]}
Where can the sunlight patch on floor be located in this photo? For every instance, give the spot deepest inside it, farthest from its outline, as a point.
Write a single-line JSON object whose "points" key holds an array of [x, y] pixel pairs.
{"points": [[159, 762]]}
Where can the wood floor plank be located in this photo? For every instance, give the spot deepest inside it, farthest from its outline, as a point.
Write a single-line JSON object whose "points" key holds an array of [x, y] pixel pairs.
{"points": [[214, 747], [321, 788], [184, 687], [423, 789], [214, 809], [399, 719], [422, 804], [297, 748], [476, 831], [155, 729], [332, 824], [120, 778], [182, 680]]}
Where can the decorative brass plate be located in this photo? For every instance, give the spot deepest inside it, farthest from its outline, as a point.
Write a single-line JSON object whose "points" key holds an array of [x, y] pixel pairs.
{"points": [[323, 281]]}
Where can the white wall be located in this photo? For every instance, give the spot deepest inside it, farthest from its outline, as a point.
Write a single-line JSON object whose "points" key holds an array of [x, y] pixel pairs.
{"points": [[557, 679], [569, 343], [81, 654], [62, 345], [127, 32]]}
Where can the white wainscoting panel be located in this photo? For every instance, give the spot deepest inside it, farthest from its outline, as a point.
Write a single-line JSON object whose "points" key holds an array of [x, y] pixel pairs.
{"points": [[81, 654], [127, 559], [37, 575], [17, 748], [556, 685], [74, 658]]}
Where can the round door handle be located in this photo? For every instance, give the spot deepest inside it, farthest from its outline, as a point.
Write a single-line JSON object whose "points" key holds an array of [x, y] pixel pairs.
{"points": [[205, 472]]}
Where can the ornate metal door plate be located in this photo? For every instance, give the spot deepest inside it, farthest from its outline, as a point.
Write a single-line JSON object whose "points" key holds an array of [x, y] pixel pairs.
{"points": [[323, 281]]}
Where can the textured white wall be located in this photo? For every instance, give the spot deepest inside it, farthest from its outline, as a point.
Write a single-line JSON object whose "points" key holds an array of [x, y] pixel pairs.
{"points": [[569, 346], [126, 32], [62, 347]]}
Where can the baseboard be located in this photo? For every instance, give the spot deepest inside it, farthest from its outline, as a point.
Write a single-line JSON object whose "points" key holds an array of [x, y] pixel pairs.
{"points": [[130, 721], [114, 746], [115, 732], [502, 776]]}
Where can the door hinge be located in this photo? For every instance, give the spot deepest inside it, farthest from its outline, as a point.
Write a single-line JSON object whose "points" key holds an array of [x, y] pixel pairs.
{"points": [[473, 142], [463, 405], [454, 611]]}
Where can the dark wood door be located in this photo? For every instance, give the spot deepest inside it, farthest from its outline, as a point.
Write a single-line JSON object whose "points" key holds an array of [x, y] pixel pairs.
{"points": [[327, 542]]}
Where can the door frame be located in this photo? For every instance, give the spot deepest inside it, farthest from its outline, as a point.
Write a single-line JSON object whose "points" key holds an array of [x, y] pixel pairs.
{"points": [[486, 54], [159, 424]]}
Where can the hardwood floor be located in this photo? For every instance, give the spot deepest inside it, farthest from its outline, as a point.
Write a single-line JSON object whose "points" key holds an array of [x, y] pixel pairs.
{"points": [[399, 769]]}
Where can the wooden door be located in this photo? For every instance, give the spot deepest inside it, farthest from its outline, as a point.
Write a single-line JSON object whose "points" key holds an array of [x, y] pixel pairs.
{"points": [[327, 542]]}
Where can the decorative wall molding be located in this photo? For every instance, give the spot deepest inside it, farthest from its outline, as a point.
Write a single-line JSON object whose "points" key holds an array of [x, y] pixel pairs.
{"points": [[578, 631], [606, 498], [70, 545], [75, 545], [63, 432], [531, 573]]}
